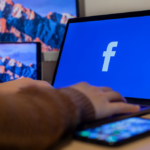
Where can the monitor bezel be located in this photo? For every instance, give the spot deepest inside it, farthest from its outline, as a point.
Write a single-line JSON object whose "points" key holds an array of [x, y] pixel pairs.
{"points": [[77, 8], [105, 17], [38, 55]]}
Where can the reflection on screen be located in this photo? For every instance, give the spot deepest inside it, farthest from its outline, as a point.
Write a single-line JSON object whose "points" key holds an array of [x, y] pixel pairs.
{"points": [[18, 61], [117, 131]]}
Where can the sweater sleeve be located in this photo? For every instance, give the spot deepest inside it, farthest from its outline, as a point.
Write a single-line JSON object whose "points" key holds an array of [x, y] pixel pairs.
{"points": [[36, 119]]}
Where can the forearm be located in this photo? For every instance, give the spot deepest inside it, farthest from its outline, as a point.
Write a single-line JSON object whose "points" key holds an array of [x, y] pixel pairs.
{"points": [[38, 119]]}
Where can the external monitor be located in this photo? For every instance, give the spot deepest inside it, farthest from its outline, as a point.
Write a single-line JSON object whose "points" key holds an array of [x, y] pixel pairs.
{"points": [[36, 21]]}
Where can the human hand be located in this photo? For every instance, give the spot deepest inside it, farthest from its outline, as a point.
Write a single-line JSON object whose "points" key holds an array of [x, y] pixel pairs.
{"points": [[16, 86], [106, 102]]}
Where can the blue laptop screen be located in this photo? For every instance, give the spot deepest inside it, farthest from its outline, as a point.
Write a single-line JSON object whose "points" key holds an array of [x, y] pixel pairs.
{"points": [[113, 53]]}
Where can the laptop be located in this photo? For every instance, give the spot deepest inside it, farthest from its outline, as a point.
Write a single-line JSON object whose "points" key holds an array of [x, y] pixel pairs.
{"points": [[108, 50], [20, 60]]}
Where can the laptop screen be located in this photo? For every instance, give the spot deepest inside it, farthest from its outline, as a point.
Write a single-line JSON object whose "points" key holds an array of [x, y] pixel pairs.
{"points": [[113, 53], [18, 60]]}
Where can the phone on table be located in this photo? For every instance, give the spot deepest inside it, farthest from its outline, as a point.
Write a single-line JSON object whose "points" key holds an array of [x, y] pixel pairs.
{"points": [[116, 133]]}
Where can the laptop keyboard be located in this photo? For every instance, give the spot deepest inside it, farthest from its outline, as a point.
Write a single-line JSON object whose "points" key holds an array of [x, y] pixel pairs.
{"points": [[144, 107]]}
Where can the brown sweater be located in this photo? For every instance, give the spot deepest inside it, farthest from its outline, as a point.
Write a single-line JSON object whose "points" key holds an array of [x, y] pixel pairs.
{"points": [[37, 120]]}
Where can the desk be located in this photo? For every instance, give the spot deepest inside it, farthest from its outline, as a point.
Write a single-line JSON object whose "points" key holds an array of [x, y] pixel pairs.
{"points": [[141, 144]]}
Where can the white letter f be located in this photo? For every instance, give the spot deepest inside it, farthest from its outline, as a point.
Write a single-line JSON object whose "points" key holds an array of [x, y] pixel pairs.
{"points": [[107, 54]]}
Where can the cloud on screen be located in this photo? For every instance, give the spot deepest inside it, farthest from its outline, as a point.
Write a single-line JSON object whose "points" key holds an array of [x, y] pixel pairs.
{"points": [[24, 53], [25, 58]]}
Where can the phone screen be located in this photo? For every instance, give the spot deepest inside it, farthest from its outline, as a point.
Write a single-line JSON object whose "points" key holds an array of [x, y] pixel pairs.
{"points": [[117, 131]]}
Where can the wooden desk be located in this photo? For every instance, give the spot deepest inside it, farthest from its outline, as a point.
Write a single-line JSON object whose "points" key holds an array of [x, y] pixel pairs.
{"points": [[141, 144]]}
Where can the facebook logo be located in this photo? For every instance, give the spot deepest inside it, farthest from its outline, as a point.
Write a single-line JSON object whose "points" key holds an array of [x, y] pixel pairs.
{"points": [[108, 54]]}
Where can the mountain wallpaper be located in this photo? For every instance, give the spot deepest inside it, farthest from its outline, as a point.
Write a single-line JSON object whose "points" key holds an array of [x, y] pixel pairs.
{"points": [[10, 70], [17, 61], [40, 21]]}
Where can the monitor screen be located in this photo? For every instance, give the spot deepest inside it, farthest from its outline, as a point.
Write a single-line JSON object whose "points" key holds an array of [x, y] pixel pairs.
{"points": [[18, 61], [113, 53], [36, 21]]}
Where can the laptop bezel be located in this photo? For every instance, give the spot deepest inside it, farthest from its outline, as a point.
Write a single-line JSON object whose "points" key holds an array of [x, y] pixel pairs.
{"points": [[105, 17], [38, 55]]}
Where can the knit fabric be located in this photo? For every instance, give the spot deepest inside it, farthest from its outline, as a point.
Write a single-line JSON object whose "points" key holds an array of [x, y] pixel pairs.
{"points": [[37, 120]]}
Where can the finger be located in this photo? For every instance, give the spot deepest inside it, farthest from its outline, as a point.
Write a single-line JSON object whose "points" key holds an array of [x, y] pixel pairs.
{"points": [[115, 97], [106, 89], [84, 84], [118, 108], [43, 84], [39, 84]]}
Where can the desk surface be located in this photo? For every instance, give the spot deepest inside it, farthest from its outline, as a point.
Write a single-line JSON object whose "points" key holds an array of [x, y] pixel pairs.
{"points": [[141, 144]]}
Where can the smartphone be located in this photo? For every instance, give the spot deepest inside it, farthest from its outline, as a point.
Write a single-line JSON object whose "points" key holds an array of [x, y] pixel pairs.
{"points": [[116, 133]]}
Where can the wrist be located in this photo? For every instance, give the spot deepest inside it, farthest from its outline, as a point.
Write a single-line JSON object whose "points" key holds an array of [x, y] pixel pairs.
{"points": [[84, 108]]}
